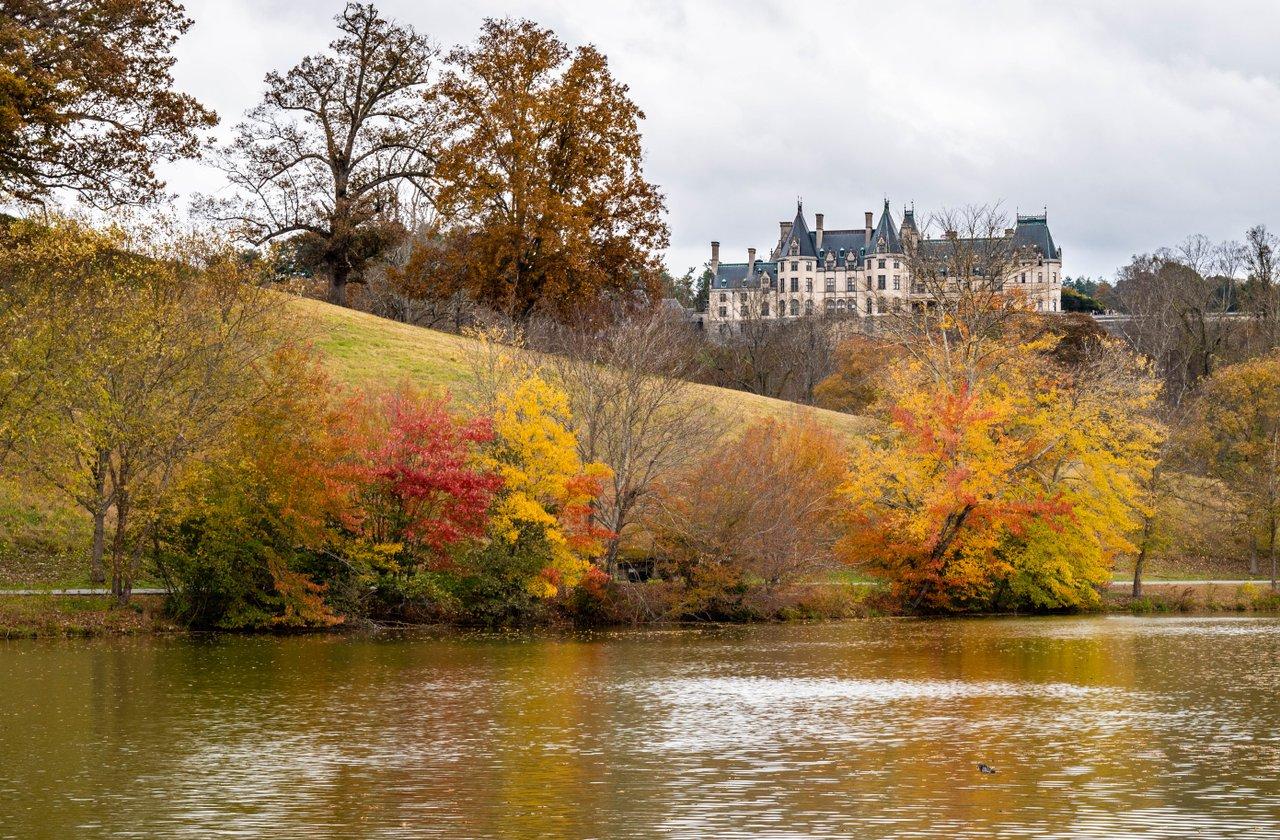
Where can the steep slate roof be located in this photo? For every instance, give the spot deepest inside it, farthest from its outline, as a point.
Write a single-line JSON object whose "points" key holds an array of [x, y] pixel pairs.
{"points": [[799, 233], [887, 230], [1034, 231]]}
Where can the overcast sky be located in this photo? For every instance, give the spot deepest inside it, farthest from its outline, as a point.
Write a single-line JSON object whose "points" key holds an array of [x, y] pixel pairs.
{"points": [[1134, 123]]}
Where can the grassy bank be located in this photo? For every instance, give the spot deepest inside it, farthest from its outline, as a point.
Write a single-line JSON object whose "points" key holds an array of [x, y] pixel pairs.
{"points": [[30, 616], [1189, 598]]}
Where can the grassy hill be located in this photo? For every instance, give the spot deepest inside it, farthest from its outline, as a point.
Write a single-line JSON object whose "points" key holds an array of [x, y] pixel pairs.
{"points": [[364, 349]]}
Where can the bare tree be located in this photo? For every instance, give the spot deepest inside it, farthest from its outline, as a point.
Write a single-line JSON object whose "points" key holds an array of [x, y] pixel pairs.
{"points": [[1261, 297], [335, 146], [752, 354], [1229, 259], [633, 406], [1178, 317], [959, 305]]}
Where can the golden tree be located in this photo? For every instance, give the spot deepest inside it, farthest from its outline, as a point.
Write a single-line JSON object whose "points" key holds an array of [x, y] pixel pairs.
{"points": [[1236, 435], [545, 485]]}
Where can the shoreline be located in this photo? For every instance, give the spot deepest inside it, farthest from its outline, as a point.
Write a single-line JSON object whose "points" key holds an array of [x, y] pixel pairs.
{"points": [[73, 613]]}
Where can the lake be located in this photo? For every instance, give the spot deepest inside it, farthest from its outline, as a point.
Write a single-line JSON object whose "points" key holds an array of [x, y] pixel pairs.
{"points": [[1097, 726]]}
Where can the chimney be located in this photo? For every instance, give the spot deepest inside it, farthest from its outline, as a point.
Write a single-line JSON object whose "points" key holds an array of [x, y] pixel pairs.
{"points": [[785, 228], [819, 236], [1008, 231], [866, 240], [751, 261], [715, 256]]}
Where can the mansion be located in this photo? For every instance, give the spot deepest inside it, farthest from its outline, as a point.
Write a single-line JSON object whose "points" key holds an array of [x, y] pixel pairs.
{"points": [[863, 272]]}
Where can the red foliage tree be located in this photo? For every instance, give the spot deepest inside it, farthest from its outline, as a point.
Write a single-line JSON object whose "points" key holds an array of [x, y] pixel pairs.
{"points": [[421, 483]]}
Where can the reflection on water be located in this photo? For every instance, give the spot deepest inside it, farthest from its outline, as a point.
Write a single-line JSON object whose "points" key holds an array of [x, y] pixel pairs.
{"points": [[1097, 726]]}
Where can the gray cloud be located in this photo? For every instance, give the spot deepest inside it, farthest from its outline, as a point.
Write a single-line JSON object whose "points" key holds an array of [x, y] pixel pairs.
{"points": [[1135, 123]]}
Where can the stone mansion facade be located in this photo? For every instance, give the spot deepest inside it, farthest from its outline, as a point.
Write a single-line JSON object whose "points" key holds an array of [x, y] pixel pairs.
{"points": [[861, 272]]}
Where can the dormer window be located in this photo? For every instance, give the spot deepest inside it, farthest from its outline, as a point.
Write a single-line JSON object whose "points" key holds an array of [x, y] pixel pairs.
{"points": [[795, 248]]}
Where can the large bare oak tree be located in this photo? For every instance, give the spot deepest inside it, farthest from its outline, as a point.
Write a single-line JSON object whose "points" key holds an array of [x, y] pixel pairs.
{"points": [[335, 145]]}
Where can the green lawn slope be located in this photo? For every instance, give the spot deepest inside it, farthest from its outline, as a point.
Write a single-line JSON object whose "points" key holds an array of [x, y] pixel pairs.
{"points": [[365, 350]]}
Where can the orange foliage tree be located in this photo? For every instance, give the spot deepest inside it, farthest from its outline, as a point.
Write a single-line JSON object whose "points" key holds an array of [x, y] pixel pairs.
{"points": [[542, 177], [237, 551], [1002, 480]]}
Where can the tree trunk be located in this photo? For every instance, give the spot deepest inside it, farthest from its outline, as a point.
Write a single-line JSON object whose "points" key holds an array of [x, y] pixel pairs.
{"points": [[1138, 566], [1253, 555], [98, 574], [1274, 525], [97, 571], [121, 582], [338, 276]]}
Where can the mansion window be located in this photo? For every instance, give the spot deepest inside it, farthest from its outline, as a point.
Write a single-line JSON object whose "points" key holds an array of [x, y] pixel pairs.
{"points": [[895, 264], [897, 282], [795, 307], [795, 266], [723, 297], [849, 285], [808, 285], [764, 309], [881, 264], [868, 282], [724, 312], [831, 284], [808, 307], [1040, 277], [1022, 278], [880, 281], [743, 311], [869, 307]]}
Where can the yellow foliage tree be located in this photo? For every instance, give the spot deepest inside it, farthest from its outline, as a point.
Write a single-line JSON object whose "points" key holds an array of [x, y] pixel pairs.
{"points": [[546, 486], [1236, 436]]}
